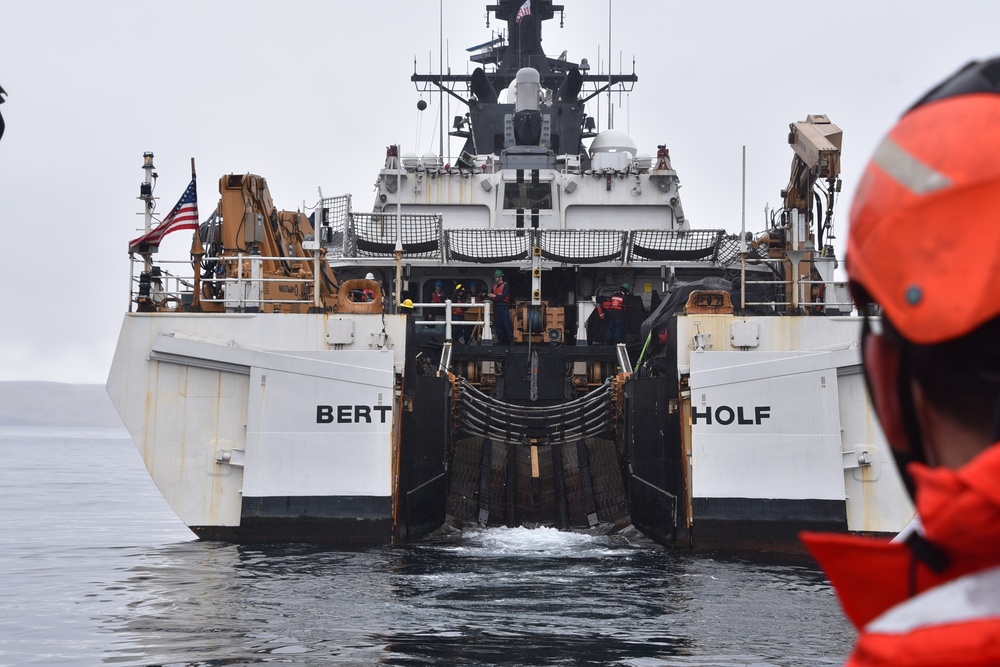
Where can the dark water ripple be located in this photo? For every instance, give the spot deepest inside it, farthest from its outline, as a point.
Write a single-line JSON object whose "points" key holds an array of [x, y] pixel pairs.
{"points": [[97, 570]]}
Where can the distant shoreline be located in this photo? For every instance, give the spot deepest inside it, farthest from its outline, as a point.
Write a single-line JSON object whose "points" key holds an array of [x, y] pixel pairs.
{"points": [[56, 404]]}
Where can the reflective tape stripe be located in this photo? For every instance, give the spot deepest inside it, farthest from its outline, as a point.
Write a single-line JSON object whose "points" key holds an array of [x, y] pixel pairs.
{"points": [[972, 597], [910, 172]]}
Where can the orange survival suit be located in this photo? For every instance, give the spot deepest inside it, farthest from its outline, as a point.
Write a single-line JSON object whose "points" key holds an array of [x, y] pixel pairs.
{"points": [[908, 614]]}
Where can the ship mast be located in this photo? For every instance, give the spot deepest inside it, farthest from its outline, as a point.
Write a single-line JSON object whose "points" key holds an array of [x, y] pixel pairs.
{"points": [[146, 195], [441, 69], [610, 53]]}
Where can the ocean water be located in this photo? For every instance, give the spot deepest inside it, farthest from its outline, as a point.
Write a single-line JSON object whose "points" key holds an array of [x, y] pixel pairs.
{"points": [[95, 569]]}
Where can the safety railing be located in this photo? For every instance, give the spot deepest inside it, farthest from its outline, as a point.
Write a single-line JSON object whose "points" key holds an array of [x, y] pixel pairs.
{"points": [[164, 287], [449, 322], [797, 290], [160, 287]]}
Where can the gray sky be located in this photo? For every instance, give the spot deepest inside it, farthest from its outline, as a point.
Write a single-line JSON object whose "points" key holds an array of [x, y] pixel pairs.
{"points": [[309, 93]]}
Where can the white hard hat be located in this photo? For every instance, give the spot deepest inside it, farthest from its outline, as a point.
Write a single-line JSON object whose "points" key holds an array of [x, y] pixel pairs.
{"points": [[369, 276]]}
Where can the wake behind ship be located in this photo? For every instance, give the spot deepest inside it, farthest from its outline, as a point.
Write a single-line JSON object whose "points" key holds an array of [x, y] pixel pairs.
{"points": [[530, 333]]}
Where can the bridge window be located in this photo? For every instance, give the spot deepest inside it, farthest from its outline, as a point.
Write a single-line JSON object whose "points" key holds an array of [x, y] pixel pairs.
{"points": [[527, 195]]}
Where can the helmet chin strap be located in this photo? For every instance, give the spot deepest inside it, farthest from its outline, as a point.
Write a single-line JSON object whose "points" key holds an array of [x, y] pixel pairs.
{"points": [[923, 550], [908, 413], [914, 452]]}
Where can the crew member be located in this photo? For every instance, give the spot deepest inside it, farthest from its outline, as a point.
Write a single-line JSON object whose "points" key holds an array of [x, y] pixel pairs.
{"points": [[474, 314], [612, 310], [368, 291], [474, 295], [932, 361], [459, 332], [500, 296], [437, 296]]}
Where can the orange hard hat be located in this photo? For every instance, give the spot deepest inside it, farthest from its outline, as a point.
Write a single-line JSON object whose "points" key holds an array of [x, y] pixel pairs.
{"points": [[924, 240]]}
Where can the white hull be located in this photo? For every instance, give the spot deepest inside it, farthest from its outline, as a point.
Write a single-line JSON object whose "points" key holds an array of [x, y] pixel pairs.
{"points": [[228, 411], [784, 428]]}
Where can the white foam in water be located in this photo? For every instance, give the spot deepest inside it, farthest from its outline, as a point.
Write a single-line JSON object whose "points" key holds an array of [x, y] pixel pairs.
{"points": [[546, 542]]}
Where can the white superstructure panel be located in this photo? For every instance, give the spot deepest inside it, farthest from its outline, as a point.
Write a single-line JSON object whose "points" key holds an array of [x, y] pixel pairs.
{"points": [[876, 498], [619, 216], [764, 425], [309, 435], [807, 370], [452, 216]]}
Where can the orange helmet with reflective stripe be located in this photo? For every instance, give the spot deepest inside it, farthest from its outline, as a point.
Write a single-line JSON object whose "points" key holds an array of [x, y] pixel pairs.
{"points": [[924, 240]]}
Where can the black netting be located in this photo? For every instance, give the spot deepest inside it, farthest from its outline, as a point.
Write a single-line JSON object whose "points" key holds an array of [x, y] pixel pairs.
{"points": [[729, 250], [334, 212], [700, 245], [583, 247], [488, 245], [374, 235]]}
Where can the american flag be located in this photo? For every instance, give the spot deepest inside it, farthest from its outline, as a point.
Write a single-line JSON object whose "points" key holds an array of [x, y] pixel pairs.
{"points": [[523, 11], [183, 216]]}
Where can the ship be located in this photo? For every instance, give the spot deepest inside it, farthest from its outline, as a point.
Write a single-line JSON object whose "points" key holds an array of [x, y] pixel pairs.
{"points": [[525, 332]]}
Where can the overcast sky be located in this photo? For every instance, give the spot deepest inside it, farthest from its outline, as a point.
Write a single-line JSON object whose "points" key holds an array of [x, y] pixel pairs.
{"points": [[309, 94]]}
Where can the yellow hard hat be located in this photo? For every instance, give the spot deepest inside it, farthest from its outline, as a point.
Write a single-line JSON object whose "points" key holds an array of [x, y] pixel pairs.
{"points": [[407, 304]]}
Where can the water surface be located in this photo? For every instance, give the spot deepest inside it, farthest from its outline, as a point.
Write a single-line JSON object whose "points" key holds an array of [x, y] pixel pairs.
{"points": [[96, 569]]}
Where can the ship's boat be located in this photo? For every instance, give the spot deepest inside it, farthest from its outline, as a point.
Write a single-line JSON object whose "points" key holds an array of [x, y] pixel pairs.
{"points": [[701, 386]]}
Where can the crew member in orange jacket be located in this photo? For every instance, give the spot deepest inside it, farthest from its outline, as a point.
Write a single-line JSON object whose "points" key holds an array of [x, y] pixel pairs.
{"points": [[368, 291], [924, 253], [500, 296], [437, 296], [613, 308]]}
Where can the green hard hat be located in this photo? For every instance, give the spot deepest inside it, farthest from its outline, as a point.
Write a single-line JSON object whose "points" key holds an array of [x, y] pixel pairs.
{"points": [[497, 273], [626, 286]]}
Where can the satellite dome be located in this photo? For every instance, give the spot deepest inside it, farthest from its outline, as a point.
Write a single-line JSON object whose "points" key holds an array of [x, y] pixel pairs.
{"points": [[410, 161], [613, 141], [430, 161]]}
